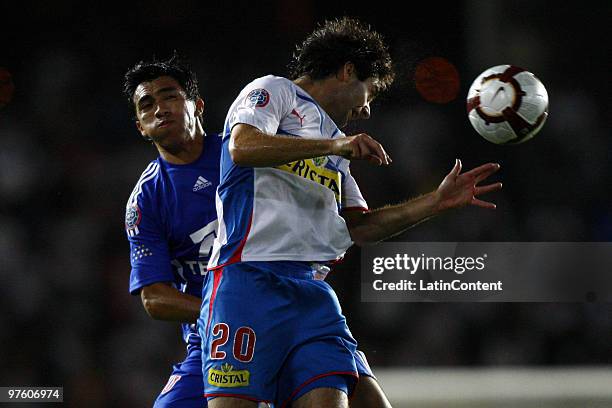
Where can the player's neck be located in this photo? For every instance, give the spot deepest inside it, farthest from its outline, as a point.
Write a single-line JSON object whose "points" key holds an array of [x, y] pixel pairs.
{"points": [[320, 90], [183, 152]]}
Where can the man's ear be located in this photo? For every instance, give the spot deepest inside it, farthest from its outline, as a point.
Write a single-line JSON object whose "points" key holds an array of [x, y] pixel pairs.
{"points": [[140, 128], [346, 72], [199, 107]]}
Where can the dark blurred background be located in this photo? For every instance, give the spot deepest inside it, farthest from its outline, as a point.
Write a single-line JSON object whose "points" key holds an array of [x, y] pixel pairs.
{"points": [[70, 155]]}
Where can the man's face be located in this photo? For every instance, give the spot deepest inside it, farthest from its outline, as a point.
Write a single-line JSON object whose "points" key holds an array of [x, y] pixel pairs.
{"points": [[354, 104], [163, 111]]}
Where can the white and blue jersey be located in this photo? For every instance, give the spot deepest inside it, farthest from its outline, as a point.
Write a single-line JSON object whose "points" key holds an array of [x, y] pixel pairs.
{"points": [[289, 212], [171, 222], [271, 329]]}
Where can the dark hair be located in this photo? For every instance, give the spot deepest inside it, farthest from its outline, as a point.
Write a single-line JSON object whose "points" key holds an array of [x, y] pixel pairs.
{"points": [[337, 42], [174, 67]]}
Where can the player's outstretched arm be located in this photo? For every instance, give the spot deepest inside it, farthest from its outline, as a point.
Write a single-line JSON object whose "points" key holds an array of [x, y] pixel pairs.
{"points": [[250, 146], [163, 302], [456, 190]]}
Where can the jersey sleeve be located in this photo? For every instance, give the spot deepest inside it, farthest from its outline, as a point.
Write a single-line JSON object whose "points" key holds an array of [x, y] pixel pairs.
{"points": [[149, 252], [263, 104], [352, 200]]}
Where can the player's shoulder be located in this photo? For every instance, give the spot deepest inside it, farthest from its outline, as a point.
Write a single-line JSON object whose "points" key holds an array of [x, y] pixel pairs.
{"points": [[273, 81], [142, 200], [146, 184], [272, 84]]}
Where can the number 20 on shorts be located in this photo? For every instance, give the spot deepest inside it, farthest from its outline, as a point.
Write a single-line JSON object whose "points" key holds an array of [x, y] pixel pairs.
{"points": [[244, 343]]}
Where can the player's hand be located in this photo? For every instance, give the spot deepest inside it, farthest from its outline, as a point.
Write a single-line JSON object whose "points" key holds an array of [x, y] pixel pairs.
{"points": [[360, 147], [458, 190]]}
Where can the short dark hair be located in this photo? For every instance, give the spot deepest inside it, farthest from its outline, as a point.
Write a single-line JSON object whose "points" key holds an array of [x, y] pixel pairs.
{"points": [[336, 42], [174, 67]]}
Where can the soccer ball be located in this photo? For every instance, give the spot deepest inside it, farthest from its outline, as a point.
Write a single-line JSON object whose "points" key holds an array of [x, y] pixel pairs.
{"points": [[507, 105]]}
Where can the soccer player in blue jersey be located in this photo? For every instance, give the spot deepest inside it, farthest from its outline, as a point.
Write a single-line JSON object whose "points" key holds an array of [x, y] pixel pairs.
{"points": [[287, 205], [171, 217]]}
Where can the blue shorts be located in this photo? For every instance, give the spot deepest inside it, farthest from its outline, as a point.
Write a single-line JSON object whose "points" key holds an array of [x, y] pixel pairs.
{"points": [[184, 388], [363, 367], [271, 332]]}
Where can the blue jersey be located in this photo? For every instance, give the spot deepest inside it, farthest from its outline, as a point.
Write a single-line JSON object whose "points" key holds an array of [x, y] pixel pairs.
{"points": [[171, 224]]}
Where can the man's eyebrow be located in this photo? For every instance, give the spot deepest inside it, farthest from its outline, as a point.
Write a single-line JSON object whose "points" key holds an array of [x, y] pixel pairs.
{"points": [[148, 97]]}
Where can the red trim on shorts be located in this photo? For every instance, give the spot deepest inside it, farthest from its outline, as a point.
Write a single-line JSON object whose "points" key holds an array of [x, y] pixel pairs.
{"points": [[245, 397], [318, 377], [363, 209], [218, 274], [237, 257]]}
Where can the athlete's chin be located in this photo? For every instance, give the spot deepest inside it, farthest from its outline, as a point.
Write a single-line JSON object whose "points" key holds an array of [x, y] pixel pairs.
{"points": [[164, 136]]}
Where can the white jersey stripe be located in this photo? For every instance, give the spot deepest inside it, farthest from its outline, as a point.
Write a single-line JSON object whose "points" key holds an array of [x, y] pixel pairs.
{"points": [[142, 175], [146, 176]]}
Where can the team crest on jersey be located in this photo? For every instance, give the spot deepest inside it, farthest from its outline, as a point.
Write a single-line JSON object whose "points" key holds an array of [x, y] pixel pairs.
{"points": [[320, 161], [226, 376], [258, 97], [132, 219]]}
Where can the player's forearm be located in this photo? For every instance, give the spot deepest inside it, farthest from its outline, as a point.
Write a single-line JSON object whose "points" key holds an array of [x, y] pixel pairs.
{"points": [[163, 302], [251, 147], [383, 223]]}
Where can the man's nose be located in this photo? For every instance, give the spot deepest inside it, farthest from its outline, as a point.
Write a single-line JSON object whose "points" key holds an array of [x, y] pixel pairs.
{"points": [[161, 110], [365, 112]]}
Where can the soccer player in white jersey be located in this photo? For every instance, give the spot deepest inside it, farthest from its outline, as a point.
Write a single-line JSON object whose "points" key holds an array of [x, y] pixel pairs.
{"points": [[287, 205], [170, 215]]}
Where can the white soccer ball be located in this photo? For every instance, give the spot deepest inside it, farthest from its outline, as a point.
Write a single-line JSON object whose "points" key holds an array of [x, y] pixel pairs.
{"points": [[507, 105]]}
